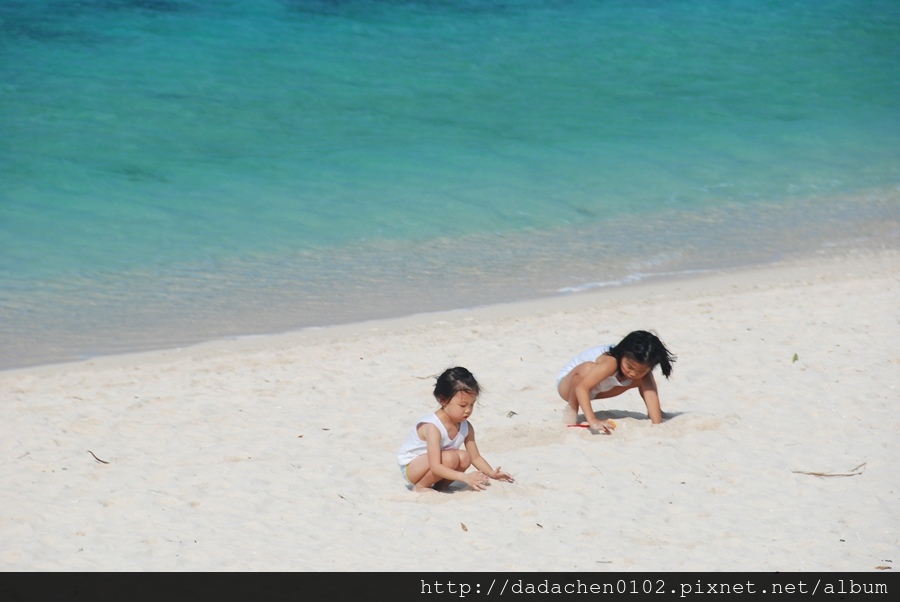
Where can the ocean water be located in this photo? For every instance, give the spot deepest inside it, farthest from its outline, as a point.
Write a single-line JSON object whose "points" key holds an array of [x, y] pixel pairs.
{"points": [[173, 171]]}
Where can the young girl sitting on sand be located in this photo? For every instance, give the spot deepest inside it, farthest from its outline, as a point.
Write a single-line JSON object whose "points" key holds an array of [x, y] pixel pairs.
{"points": [[431, 457], [610, 370]]}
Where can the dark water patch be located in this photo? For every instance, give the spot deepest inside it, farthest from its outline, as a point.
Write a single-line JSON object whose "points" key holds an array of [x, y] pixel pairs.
{"points": [[79, 23], [364, 8], [149, 6], [24, 22], [159, 6], [139, 173]]}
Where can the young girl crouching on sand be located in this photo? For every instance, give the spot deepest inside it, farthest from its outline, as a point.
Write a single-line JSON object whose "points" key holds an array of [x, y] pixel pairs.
{"points": [[610, 370], [431, 457]]}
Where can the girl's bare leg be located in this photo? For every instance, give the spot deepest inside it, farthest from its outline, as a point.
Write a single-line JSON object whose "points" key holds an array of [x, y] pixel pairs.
{"points": [[566, 390], [570, 414], [454, 459]]}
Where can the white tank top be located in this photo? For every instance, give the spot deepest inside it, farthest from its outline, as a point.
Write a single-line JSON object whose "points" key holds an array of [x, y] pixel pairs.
{"points": [[414, 447], [590, 355]]}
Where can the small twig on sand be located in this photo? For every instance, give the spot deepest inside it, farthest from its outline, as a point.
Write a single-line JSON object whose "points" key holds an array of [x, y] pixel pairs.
{"points": [[98, 459], [851, 473]]}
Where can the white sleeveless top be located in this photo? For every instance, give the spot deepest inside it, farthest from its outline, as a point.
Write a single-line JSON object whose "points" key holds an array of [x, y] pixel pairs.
{"points": [[590, 355], [414, 447], [610, 382]]}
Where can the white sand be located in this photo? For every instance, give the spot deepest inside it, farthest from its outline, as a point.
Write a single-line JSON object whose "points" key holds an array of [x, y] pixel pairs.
{"points": [[278, 453]]}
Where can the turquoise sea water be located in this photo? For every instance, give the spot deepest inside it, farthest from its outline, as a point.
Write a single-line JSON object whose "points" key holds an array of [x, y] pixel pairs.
{"points": [[180, 170]]}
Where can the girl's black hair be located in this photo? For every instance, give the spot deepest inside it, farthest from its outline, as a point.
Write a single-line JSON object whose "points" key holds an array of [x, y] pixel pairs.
{"points": [[454, 380], [645, 348]]}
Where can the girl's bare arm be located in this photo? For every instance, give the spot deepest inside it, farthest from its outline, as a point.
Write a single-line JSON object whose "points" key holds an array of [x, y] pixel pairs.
{"points": [[478, 460], [650, 395], [432, 438]]}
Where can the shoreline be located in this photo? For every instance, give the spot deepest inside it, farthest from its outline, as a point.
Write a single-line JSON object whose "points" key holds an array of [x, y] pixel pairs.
{"points": [[279, 452], [708, 281], [67, 320]]}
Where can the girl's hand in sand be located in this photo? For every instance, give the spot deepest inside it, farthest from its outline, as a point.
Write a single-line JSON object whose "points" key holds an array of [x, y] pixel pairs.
{"points": [[607, 426], [476, 480], [499, 475]]}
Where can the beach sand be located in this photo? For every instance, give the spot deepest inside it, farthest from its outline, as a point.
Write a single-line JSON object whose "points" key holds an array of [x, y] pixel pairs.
{"points": [[278, 453]]}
